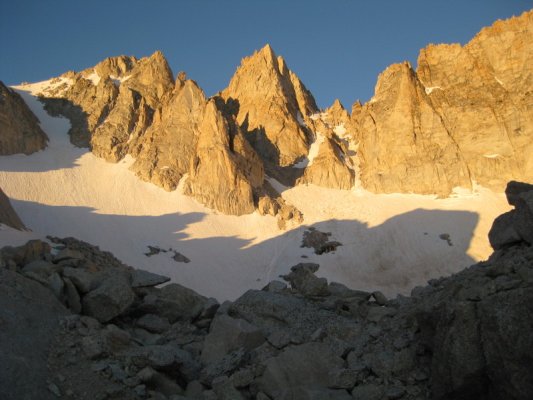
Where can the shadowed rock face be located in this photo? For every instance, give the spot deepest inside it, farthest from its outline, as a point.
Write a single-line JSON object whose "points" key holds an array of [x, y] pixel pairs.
{"points": [[463, 116], [8, 216], [272, 102], [19, 128], [516, 225]]}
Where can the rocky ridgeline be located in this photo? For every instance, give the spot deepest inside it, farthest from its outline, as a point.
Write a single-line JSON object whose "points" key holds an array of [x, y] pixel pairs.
{"points": [[463, 117], [93, 328], [19, 127]]}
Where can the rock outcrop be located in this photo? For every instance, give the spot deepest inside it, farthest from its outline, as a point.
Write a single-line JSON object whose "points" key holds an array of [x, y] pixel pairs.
{"points": [[331, 160], [8, 216], [464, 116], [19, 127], [515, 226], [112, 104], [164, 154], [224, 170], [464, 336], [404, 146], [329, 167], [271, 103]]}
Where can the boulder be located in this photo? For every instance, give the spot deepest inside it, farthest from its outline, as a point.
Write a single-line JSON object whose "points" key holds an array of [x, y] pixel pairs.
{"points": [[175, 302], [227, 334], [72, 297], [33, 250], [153, 323], [141, 278], [302, 279], [110, 299], [83, 279], [306, 365], [515, 226], [41, 267]]}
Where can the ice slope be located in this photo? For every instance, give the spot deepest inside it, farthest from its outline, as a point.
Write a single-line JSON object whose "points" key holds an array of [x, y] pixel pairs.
{"points": [[390, 242]]}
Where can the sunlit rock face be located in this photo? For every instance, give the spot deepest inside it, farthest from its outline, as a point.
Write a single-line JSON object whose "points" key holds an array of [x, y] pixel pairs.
{"points": [[330, 162], [19, 128], [404, 146], [112, 104], [125, 106], [270, 102], [465, 115], [164, 153], [224, 169]]}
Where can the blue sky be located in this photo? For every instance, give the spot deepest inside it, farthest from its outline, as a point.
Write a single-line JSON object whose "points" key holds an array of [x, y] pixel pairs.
{"points": [[337, 47]]}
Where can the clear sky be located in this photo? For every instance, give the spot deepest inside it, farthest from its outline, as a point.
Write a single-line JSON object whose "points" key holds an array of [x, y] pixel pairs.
{"points": [[337, 47]]}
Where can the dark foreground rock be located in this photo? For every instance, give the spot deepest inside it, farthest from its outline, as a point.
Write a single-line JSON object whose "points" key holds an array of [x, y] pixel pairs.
{"points": [[19, 127], [90, 327], [516, 225]]}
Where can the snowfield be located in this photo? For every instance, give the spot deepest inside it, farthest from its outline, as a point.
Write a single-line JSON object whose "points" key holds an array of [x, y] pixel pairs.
{"points": [[389, 242]]}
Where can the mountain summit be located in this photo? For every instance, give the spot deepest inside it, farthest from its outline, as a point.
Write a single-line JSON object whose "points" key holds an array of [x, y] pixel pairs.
{"points": [[271, 103]]}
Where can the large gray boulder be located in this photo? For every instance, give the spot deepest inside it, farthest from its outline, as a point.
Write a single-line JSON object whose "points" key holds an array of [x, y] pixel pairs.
{"points": [[110, 299], [227, 334], [303, 366], [175, 302]]}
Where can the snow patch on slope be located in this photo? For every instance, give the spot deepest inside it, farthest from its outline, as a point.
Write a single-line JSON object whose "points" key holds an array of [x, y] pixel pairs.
{"points": [[118, 80], [430, 90], [313, 152], [340, 131], [50, 87], [94, 78]]}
